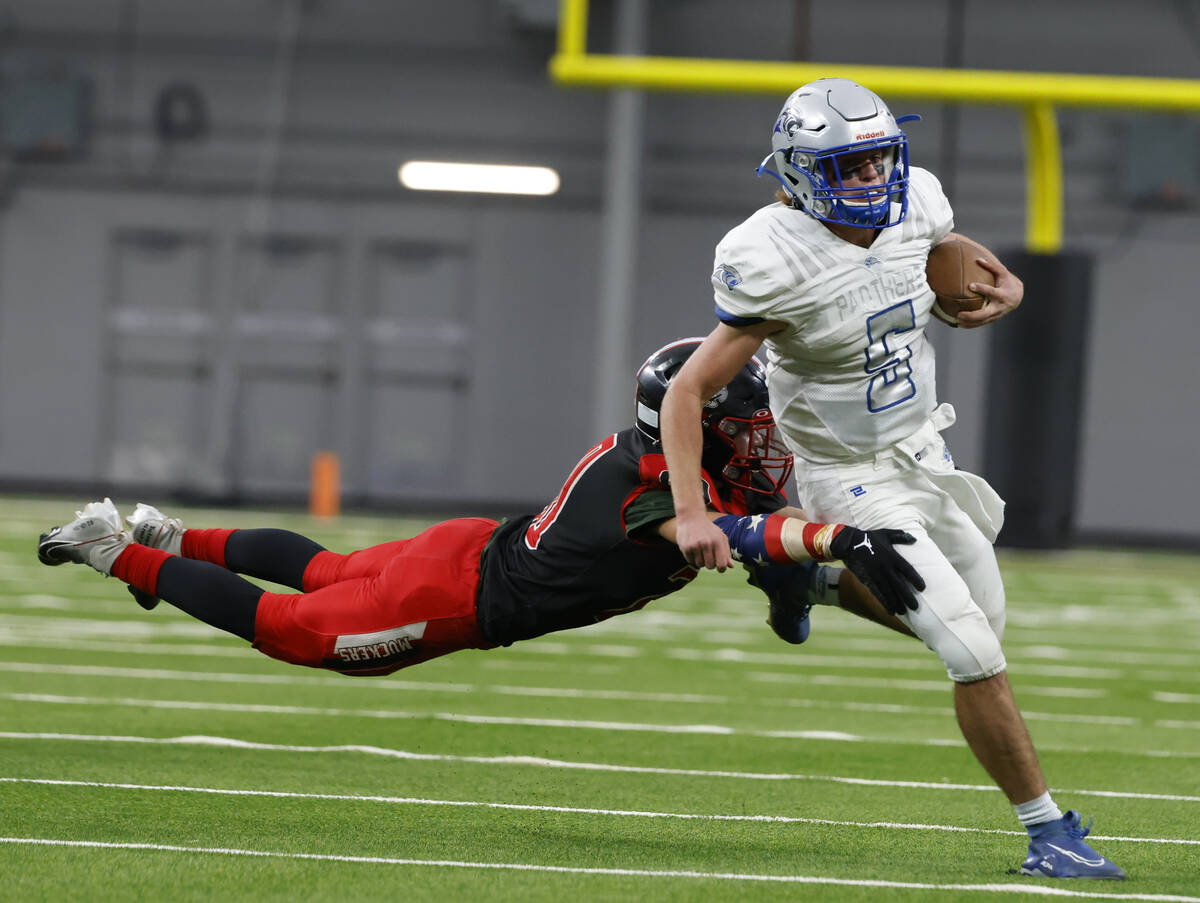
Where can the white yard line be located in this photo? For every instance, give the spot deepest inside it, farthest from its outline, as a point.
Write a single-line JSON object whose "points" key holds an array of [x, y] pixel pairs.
{"points": [[890, 683], [289, 679], [567, 810], [116, 628], [541, 762], [456, 717], [162, 674], [921, 663], [528, 655], [569, 723], [220, 650], [1185, 698], [1021, 888], [464, 718], [643, 629], [23, 639], [1047, 646], [513, 664]]}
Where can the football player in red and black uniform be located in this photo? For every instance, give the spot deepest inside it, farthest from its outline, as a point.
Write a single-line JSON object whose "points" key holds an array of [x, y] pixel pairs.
{"points": [[603, 546]]}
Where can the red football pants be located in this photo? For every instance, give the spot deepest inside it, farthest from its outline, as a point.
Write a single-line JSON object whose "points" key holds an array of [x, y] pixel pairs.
{"points": [[383, 608]]}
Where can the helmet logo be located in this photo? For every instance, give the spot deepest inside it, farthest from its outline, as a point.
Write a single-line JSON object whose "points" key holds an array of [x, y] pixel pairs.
{"points": [[727, 274], [788, 124], [717, 399], [878, 134]]}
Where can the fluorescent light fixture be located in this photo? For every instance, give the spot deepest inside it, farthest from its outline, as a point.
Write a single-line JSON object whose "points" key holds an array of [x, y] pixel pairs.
{"points": [[489, 178]]}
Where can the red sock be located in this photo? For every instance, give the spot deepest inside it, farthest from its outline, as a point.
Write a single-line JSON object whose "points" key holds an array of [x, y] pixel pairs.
{"points": [[206, 545], [138, 566]]}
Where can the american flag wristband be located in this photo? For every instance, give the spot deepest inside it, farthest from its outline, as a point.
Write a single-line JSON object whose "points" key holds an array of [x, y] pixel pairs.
{"points": [[757, 538], [818, 538]]}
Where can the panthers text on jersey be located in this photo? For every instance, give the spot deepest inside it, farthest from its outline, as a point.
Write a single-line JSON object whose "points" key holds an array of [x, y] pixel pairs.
{"points": [[852, 372], [592, 553]]}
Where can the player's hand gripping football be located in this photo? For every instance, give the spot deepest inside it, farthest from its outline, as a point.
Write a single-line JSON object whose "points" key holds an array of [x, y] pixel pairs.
{"points": [[871, 557], [1002, 298]]}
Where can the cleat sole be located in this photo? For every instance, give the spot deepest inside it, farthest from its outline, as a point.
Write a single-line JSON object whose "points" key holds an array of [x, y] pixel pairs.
{"points": [[45, 549]]}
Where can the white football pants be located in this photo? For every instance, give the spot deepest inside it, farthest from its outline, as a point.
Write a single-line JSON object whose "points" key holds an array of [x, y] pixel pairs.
{"points": [[954, 516]]}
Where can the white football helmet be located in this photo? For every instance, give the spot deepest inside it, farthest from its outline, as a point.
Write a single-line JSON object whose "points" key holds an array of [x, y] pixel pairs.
{"points": [[828, 119]]}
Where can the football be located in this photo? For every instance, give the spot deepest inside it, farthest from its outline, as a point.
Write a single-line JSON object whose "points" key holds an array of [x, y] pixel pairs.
{"points": [[951, 268]]}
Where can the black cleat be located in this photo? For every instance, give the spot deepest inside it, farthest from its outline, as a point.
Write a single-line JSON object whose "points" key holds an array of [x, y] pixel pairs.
{"points": [[143, 599]]}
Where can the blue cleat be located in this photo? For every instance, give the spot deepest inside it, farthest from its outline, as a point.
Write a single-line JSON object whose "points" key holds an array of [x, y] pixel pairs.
{"points": [[791, 589], [1058, 851]]}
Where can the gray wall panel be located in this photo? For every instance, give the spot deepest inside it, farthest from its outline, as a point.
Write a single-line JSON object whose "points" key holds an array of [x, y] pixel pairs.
{"points": [[52, 296], [1141, 439], [153, 431], [530, 417]]}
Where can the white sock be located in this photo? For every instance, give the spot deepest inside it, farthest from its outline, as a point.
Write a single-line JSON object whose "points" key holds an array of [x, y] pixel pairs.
{"points": [[1038, 811], [827, 581]]}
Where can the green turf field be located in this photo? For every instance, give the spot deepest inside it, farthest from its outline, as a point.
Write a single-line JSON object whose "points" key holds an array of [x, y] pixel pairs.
{"points": [[678, 753]]}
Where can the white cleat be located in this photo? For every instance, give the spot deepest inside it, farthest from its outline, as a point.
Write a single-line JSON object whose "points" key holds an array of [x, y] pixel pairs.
{"points": [[150, 527], [94, 538]]}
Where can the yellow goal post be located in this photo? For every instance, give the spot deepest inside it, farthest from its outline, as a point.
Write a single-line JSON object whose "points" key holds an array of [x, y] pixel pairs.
{"points": [[1038, 94]]}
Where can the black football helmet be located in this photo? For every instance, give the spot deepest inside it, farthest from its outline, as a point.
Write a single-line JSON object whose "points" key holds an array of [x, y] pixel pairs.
{"points": [[740, 440]]}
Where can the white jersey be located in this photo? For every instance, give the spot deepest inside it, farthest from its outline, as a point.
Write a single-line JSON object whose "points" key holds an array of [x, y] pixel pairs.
{"points": [[852, 372]]}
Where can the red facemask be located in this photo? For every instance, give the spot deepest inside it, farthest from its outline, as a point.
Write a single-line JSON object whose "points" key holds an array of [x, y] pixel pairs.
{"points": [[761, 461]]}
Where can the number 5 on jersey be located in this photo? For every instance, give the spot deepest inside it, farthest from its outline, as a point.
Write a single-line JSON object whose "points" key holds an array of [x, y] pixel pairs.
{"points": [[892, 383]]}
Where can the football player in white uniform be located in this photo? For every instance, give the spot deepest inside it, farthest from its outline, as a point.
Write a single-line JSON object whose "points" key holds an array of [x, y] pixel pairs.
{"points": [[832, 279]]}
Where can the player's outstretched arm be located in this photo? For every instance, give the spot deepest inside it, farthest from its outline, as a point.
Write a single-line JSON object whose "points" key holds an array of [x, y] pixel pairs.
{"points": [[852, 595], [1002, 298], [718, 359]]}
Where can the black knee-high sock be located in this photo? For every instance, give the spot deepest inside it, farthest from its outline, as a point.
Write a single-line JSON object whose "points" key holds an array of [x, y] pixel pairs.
{"points": [[211, 594], [276, 555]]}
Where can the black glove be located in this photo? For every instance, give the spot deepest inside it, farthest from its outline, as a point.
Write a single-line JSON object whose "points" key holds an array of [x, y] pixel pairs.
{"points": [[871, 558]]}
